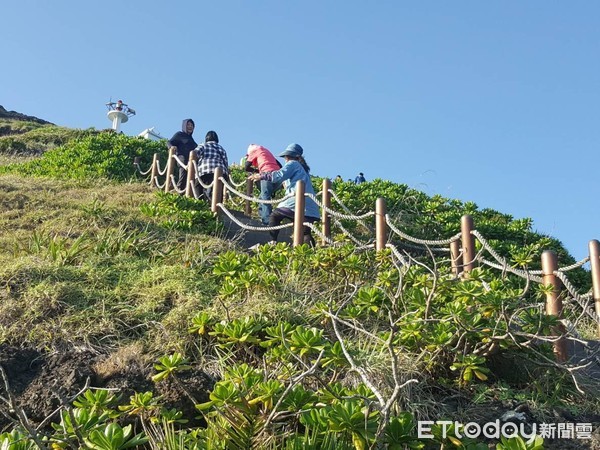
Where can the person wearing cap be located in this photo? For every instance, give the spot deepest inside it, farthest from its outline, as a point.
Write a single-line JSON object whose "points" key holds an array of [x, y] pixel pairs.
{"points": [[184, 143], [295, 169], [360, 178], [260, 159], [210, 156]]}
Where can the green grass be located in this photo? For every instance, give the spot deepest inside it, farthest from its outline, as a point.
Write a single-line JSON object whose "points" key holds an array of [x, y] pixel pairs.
{"points": [[80, 263]]}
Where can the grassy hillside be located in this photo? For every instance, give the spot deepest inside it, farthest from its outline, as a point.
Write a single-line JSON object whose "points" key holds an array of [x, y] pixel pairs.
{"points": [[107, 283]]}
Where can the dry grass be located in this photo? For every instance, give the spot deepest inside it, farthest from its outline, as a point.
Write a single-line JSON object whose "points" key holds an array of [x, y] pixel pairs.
{"points": [[67, 277]]}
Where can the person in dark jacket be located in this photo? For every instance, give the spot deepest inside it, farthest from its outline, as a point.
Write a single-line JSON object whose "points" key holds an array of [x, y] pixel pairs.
{"points": [[360, 178], [184, 143]]}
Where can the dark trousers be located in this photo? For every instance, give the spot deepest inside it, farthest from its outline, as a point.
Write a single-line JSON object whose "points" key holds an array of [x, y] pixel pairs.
{"points": [[182, 178], [280, 214]]}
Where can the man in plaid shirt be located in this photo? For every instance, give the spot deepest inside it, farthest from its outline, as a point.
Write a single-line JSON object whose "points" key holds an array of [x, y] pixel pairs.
{"points": [[210, 156]]}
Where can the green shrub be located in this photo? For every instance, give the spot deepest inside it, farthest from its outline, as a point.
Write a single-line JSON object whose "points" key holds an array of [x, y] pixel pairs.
{"points": [[103, 155]]}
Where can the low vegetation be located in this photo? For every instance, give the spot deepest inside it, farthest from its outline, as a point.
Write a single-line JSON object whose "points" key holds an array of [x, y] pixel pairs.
{"points": [[292, 348]]}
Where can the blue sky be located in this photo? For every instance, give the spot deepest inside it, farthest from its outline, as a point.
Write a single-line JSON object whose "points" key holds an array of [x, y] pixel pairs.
{"points": [[495, 102]]}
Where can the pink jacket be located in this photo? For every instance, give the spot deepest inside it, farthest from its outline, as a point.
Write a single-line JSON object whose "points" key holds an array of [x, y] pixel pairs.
{"points": [[262, 158]]}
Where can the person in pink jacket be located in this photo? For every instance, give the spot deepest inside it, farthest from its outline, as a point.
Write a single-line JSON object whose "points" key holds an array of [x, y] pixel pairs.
{"points": [[259, 159]]}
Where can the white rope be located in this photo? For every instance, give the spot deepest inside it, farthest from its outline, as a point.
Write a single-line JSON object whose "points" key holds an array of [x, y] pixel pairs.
{"points": [[174, 185], [159, 185], [139, 169], [576, 265], [199, 180], [505, 268], [485, 244], [347, 233], [345, 208], [195, 191], [318, 232], [160, 172], [253, 199], [333, 213], [578, 298], [180, 162], [241, 183], [250, 227], [427, 242], [397, 254], [567, 268]]}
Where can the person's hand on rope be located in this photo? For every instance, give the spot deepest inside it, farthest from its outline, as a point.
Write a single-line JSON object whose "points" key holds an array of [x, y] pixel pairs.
{"points": [[254, 177]]}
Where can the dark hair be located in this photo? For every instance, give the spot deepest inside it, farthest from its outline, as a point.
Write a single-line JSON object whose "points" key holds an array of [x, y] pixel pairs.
{"points": [[302, 162], [211, 136]]}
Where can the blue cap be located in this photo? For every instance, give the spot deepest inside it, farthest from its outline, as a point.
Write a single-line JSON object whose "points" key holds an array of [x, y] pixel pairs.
{"points": [[292, 150]]}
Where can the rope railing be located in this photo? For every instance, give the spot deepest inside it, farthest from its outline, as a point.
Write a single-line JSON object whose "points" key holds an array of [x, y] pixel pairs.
{"points": [[251, 227], [137, 165], [338, 215], [461, 246], [252, 198], [160, 172], [426, 242]]}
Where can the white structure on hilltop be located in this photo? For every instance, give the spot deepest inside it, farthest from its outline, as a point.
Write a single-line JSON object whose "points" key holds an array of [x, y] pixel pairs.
{"points": [[151, 133], [119, 113]]}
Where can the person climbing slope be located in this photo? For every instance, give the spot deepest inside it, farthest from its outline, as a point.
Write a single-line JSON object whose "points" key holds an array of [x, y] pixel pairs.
{"points": [[295, 169], [260, 159]]}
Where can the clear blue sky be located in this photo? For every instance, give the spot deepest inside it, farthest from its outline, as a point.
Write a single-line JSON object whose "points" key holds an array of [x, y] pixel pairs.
{"points": [[495, 102]]}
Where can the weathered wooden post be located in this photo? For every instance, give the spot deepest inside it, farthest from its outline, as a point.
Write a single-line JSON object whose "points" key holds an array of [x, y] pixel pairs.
{"points": [[594, 247], [380, 224], [249, 193], [326, 218], [170, 163], [154, 173], [191, 175], [225, 195], [456, 260], [217, 190], [468, 243], [299, 214], [554, 301]]}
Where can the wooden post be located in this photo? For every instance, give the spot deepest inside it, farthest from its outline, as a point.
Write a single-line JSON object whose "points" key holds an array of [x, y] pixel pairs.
{"points": [[169, 169], [456, 260], [191, 176], [249, 193], [326, 219], [594, 247], [154, 173], [136, 162], [468, 243], [299, 214], [217, 190], [380, 224], [554, 301]]}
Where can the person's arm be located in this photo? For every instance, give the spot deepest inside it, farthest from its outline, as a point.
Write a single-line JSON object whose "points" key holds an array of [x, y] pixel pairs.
{"points": [[226, 161], [199, 152], [277, 176], [174, 141], [250, 168]]}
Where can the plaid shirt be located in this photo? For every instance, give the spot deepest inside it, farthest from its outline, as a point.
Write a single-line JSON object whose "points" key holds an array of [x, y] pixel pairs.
{"points": [[210, 156]]}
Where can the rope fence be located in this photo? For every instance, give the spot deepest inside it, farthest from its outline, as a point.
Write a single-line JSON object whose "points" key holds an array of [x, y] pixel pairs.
{"points": [[464, 256]]}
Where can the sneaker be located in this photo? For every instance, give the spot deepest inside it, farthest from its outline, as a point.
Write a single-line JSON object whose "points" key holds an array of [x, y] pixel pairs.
{"points": [[254, 248]]}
